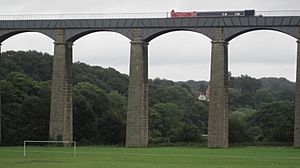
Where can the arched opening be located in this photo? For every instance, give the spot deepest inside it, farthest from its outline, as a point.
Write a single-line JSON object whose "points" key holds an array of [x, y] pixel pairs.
{"points": [[175, 113], [26, 67], [180, 56], [262, 88], [108, 49], [29, 41], [266, 51], [101, 63]]}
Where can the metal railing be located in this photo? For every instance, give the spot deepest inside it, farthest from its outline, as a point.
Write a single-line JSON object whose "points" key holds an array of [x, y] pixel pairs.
{"points": [[84, 16], [278, 13], [125, 15]]}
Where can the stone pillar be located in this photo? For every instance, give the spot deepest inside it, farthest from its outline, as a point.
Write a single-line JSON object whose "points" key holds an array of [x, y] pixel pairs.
{"points": [[0, 100], [61, 118], [137, 114], [218, 100], [297, 103]]}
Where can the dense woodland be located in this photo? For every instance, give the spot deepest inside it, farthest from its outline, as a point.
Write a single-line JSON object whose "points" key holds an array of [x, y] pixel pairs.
{"points": [[261, 110]]}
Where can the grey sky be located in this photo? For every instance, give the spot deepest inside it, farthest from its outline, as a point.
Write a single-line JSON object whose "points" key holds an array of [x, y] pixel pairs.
{"points": [[176, 55]]}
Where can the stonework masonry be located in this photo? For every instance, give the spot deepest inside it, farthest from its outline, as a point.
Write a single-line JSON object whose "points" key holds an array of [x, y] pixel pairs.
{"points": [[220, 29], [0, 103], [137, 114], [218, 104], [61, 118], [297, 103]]}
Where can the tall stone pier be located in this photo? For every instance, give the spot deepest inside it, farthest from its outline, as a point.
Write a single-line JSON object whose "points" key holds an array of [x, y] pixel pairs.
{"points": [[0, 102], [297, 103], [218, 101], [137, 114], [61, 117]]}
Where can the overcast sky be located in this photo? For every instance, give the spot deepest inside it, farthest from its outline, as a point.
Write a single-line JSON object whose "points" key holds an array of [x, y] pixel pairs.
{"points": [[178, 55]]}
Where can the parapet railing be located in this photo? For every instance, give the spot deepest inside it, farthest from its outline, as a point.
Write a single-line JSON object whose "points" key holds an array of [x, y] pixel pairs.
{"points": [[125, 15], [278, 13], [84, 16]]}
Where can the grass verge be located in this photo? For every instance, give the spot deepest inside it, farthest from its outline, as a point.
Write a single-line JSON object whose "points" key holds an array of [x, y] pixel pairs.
{"points": [[164, 157]]}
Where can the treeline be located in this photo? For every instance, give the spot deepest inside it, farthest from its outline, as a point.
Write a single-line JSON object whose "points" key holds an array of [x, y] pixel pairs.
{"points": [[261, 110]]}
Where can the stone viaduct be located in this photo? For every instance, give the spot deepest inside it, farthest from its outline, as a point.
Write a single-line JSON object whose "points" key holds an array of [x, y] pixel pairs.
{"points": [[141, 31]]}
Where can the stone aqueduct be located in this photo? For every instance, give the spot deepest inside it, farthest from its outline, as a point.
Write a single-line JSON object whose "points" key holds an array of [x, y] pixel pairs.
{"points": [[140, 31]]}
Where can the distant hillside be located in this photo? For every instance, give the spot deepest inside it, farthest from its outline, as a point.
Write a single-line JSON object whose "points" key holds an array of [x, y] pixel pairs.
{"points": [[195, 86], [277, 85], [35, 64], [106, 78], [38, 66]]}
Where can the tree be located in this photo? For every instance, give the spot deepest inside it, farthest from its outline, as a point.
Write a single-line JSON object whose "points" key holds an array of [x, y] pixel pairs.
{"points": [[26, 106], [112, 130], [286, 95], [196, 114], [171, 121], [90, 103], [233, 96], [95, 95], [36, 112], [36, 65], [202, 88], [112, 125], [245, 100], [118, 104], [155, 126], [277, 85], [263, 96], [240, 130], [190, 133], [245, 83], [106, 78], [99, 117], [276, 121]]}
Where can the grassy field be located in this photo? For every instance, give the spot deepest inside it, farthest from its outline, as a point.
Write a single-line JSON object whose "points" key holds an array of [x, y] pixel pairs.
{"points": [[162, 157]]}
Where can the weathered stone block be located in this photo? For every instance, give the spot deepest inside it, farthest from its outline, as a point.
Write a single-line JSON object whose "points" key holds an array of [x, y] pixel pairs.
{"points": [[218, 101], [137, 114], [61, 115]]}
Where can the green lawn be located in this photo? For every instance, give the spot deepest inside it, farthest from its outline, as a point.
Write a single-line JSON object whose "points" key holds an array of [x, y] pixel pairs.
{"points": [[164, 157]]}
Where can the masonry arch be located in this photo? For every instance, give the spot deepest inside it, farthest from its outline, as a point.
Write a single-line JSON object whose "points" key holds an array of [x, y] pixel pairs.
{"points": [[102, 91], [31, 79], [105, 48], [179, 55], [236, 33], [191, 48], [160, 32], [27, 40], [267, 47], [4, 35], [76, 35], [265, 53]]}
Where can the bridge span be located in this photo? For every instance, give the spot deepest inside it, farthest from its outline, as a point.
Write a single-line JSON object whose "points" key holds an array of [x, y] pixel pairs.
{"points": [[141, 31]]}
